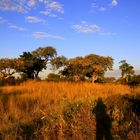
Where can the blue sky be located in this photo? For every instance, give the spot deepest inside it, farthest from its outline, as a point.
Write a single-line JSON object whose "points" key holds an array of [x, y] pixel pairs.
{"points": [[73, 27]]}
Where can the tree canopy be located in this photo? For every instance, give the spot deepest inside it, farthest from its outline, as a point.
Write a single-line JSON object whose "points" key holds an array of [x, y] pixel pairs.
{"points": [[46, 53], [91, 66]]}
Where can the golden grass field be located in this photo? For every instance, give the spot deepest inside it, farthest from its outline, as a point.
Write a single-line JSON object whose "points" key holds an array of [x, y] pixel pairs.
{"points": [[52, 103]]}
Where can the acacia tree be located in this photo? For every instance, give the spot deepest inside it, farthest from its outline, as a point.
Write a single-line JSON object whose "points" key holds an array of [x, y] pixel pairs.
{"points": [[127, 70], [31, 63], [91, 66], [7, 67], [99, 65]]}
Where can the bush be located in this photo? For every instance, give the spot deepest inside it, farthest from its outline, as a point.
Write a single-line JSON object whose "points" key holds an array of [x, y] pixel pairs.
{"points": [[53, 77]]}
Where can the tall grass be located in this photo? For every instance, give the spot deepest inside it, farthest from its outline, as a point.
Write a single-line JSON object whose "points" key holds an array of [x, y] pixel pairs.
{"points": [[40, 108]]}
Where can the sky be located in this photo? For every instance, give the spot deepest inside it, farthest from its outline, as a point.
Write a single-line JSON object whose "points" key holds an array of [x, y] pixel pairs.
{"points": [[73, 27]]}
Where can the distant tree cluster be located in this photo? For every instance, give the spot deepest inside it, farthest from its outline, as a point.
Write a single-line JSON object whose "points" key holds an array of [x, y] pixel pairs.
{"points": [[91, 67]]}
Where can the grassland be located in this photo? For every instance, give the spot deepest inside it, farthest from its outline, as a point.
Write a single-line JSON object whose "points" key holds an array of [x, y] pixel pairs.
{"points": [[64, 111]]}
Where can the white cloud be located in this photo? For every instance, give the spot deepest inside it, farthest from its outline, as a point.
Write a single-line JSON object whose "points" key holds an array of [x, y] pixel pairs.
{"points": [[48, 13], [2, 20], [34, 19], [55, 6], [42, 35], [52, 9], [24, 6], [12, 5], [32, 3], [17, 28], [84, 27], [114, 2]]}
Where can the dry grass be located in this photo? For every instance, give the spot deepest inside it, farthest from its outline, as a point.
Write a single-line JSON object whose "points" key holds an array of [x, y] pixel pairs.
{"points": [[47, 101]]}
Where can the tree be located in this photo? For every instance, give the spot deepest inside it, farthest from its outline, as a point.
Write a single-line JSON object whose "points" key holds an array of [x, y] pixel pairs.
{"points": [[74, 69], [91, 66], [46, 53], [99, 65], [31, 63], [7, 67], [126, 70]]}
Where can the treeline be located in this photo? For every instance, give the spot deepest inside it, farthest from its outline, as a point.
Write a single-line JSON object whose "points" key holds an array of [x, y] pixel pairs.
{"points": [[91, 67]]}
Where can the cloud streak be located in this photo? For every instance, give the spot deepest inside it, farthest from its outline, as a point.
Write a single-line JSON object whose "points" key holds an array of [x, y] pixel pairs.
{"points": [[34, 19], [21, 29], [84, 27], [43, 35]]}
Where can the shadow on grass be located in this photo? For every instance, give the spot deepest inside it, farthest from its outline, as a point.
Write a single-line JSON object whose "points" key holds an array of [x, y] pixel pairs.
{"points": [[103, 122]]}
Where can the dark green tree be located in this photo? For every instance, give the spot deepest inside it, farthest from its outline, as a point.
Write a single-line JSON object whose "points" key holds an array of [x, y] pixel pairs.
{"points": [[31, 63]]}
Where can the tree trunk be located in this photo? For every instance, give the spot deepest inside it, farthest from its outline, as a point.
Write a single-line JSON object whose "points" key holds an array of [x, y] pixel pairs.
{"points": [[94, 78]]}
